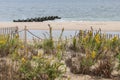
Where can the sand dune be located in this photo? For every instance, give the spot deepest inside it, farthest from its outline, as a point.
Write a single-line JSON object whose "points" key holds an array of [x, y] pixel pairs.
{"points": [[76, 25]]}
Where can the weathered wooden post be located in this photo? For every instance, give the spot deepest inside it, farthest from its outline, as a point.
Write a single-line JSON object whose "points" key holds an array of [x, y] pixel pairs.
{"points": [[25, 40], [16, 30]]}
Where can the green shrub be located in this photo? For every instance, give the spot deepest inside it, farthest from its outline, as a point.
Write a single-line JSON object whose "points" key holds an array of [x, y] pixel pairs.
{"points": [[42, 68]]}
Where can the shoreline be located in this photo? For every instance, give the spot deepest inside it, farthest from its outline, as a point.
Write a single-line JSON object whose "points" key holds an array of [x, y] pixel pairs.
{"points": [[67, 25]]}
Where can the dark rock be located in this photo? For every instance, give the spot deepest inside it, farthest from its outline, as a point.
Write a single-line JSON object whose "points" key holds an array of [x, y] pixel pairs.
{"points": [[19, 20], [14, 20], [38, 19], [32, 19]]}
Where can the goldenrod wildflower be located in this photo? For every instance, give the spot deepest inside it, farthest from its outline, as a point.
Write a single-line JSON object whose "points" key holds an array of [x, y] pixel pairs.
{"points": [[22, 46], [104, 48], [23, 60], [58, 46], [115, 38], [97, 38], [90, 33], [93, 54], [16, 35], [34, 57], [2, 41], [86, 37]]}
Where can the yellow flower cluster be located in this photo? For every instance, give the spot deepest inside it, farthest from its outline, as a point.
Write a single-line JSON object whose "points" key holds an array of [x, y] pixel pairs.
{"points": [[58, 46], [90, 33], [34, 57], [22, 46], [104, 48], [2, 41], [23, 60], [93, 54], [97, 38], [115, 39], [86, 38], [16, 35]]}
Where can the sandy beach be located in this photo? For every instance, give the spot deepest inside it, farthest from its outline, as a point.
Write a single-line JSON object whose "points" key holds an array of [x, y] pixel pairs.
{"points": [[76, 25]]}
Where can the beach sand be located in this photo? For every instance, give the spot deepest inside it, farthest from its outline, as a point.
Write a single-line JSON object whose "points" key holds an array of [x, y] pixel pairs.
{"points": [[76, 25]]}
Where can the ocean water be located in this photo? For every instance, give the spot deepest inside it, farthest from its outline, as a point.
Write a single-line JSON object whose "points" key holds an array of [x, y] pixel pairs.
{"points": [[69, 10]]}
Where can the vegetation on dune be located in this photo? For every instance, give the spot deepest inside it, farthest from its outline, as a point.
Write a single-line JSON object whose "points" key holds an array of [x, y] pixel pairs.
{"points": [[93, 54], [8, 45], [86, 53], [35, 65], [41, 68]]}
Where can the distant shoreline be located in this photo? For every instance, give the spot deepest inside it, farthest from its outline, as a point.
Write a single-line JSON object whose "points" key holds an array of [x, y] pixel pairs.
{"points": [[67, 25]]}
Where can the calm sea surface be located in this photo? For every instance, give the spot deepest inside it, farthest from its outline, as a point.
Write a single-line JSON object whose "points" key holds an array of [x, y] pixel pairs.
{"points": [[69, 10]]}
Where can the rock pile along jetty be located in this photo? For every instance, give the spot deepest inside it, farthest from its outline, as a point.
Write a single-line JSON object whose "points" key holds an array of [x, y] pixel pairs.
{"points": [[38, 19]]}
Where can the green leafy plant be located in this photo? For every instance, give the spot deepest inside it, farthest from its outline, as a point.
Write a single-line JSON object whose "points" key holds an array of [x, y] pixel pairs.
{"points": [[42, 68], [50, 46], [8, 45]]}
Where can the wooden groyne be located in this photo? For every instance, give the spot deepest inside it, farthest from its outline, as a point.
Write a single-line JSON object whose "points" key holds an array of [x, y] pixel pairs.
{"points": [[38, 19]]}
